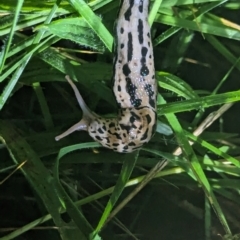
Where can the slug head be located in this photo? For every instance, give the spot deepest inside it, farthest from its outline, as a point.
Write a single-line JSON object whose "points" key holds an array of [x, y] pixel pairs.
{"points": [[128, 132]]}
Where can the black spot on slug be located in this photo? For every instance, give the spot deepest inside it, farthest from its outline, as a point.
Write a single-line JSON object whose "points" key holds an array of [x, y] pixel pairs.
{"points": [[119, 88], [144, 51], [134, 117], [128, 13], [111, 125], [130, 47], [140, 8], [144, 71], [151, 102], [98, 138], [121, 30], [149, 119], [126, 70], [140, 31], [125, 147], [125, 127], [134, 126], [131, 144], [154, 126], [122, 45], [131, 90], [143, 60], [100, 131], [136, 102], [117, 136], [148, 89], [144, 136]]}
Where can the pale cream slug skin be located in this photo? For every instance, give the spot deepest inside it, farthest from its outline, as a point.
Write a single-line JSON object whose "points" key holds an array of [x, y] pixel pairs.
{"points": [[134, 87]]}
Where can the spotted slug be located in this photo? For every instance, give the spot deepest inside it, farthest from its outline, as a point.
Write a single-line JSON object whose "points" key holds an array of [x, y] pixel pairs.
{"points": [[134, 86]]}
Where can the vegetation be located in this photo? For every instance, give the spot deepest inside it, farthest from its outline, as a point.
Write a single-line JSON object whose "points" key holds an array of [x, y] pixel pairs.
{"points": [[74, 189]]}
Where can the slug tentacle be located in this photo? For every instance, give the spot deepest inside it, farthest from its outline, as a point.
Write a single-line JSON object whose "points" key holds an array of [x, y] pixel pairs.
{"points": [[82, 125], [88, 115], [134, 85]]}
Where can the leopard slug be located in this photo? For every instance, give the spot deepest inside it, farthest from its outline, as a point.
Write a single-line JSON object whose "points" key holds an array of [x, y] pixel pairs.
{"points": [[134, 86]]}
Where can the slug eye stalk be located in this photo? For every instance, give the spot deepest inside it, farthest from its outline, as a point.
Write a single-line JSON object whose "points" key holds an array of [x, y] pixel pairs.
{"points": [[87, 118]]}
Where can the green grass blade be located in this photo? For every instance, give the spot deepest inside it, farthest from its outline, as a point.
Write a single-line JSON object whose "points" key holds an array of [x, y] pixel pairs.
{"points": [[36, 174], [66, 150], [214, 149], [127, 168], [171, 3], [44, 106], [223, 50], [89, 74], [221, 31], [33, 22], [94, 22], [76, 215], [152, 14], [175, 84], [5, 51], [9, 88], [76, 30], [21, 66], [23, 42], [202, 10], [196, 169], [199, 103]]}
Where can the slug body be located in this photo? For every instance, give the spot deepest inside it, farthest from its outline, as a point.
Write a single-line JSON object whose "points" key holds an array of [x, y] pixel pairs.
{"points": [[134, 85]]}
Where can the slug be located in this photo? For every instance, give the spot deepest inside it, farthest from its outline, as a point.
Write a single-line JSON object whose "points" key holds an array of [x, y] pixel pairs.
{"points": [[134, 86]]}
